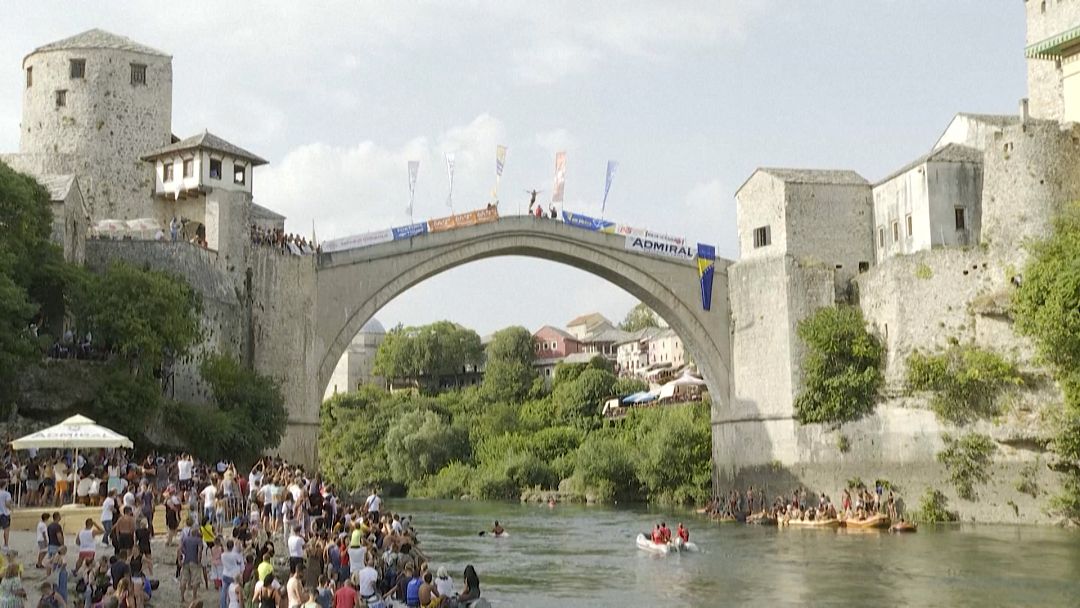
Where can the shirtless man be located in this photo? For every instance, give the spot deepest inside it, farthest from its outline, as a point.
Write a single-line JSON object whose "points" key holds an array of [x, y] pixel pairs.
{"points": [[429, 595]]}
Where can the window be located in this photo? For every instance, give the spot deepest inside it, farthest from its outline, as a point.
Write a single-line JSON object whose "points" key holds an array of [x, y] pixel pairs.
{"points": [[78, 68], [138, 73], [907, 221], [864, 266], [762, 237], [961, 220], [29, 77], [189, 167], [239, 173], [167, 172], [895, 231], [61, 98], [215, 168], [881, 237]]}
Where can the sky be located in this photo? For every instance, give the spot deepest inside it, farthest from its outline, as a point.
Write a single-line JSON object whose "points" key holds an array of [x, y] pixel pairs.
{"points": [[689, 96]]}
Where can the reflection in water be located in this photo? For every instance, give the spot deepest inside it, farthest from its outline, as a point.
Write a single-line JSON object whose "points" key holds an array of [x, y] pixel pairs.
{"points": [[585, 556]]}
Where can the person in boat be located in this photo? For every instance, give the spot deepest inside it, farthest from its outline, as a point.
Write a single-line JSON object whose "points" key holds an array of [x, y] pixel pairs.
{"points": [[497, 529], [683, 533], [657, 536], [665, 532]]}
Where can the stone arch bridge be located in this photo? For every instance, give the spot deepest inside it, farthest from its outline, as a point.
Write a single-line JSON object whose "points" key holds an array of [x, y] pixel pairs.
{"points": [[351, 286]]}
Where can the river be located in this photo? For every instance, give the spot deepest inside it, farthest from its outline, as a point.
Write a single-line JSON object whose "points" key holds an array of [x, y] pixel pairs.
{"points": [[575, 555]]}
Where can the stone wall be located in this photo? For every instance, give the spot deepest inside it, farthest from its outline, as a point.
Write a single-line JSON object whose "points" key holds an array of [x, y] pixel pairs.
{"points": [[761, 203], [105, 126], [1045, 19], [283, 293], [831, 223]]}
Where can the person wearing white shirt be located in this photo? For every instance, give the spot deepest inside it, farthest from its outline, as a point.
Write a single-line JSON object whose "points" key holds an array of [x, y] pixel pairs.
{"points": [[184, 468], [107, 508], [443, 583], [42, 535], [366, 580], [373, 504], [296, 550], [232, 567], [209, 495]]}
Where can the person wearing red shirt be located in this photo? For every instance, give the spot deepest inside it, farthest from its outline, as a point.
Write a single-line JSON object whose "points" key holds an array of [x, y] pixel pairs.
{"points": [[665, 532], [657, 535], [683, 533], [346, 596]]}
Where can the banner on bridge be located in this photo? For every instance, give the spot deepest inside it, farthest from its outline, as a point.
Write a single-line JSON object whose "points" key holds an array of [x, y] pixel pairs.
{"points": [[461, 220], [578, 220], [408, 232], [358, 240], [654, 243], [706, 266]]}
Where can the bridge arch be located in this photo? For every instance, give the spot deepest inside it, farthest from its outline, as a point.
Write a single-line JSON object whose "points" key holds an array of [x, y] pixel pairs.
{"points": [[354, 285]]}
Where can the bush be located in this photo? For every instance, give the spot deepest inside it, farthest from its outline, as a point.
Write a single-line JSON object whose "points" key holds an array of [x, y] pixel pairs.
{"points": [[841, 368], [129, 404], [452, 481], [579, 402], [933, 508], [628, 386], [604, 464], [966, 460], [566, 372], [674, 450], [419, 443], [966, 381]]}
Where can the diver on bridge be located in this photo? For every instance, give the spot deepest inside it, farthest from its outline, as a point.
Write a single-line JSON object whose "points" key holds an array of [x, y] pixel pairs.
{"points": [[532, 198], [552, 212]]}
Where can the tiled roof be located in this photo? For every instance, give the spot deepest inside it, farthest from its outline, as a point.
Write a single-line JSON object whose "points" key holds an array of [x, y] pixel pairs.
{"points": [[208, 141], [59, 186], [815, 176], [100, 39], [263, 213], [1001, 120], [952, 153], [557, 331], [589, 320]]}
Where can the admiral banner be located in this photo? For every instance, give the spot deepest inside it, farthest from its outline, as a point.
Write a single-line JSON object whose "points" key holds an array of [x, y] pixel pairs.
{"points": [[358, 240], [654, 243], [462, 220], [706, 265], [408, 232], [578, 220]]}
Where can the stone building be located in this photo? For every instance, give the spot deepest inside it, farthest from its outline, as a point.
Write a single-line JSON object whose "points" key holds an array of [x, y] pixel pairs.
{"points": [[93, 105], [1053, 58], [356, 366]]}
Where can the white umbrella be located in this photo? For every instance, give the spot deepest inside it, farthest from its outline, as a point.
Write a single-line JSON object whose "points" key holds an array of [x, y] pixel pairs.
{"points": [[143, 224], [75, 432], [110, 226], [687, 379]]}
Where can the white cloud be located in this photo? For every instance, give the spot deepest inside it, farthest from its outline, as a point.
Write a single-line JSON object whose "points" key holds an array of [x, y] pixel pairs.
{"points": [[352, 189], [549, 61], [556, 140]]}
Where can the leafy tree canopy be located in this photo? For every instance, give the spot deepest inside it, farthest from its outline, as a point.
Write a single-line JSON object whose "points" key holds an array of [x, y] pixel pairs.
{"points": [[143, 314], [508, 373], [639, 317], [437, 350], [841, 368]]}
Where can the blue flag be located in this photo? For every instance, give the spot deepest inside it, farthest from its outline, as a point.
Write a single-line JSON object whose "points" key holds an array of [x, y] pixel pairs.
{"points": [[612, 166]]}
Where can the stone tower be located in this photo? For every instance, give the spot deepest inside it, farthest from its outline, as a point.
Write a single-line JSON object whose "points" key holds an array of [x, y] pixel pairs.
{"points": [[93, 105]]}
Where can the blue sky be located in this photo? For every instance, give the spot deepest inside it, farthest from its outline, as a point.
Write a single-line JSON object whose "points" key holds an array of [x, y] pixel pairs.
{"points": [[689, 96]]}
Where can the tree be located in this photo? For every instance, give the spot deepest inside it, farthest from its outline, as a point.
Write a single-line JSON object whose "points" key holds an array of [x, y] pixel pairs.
{"points": [[566, 372], [420, 443], [142, 314], [127, 404], [639, 317], [508, 373], [841, 367], [33, 275], [429, 352], [579, 402], [249, 417]]}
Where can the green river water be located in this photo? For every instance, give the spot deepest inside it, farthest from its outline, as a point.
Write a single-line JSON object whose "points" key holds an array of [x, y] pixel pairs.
{"points": [[575, 555]]}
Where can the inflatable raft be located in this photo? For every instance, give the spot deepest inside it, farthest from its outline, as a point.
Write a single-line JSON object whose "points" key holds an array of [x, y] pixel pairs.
{"points": [[876, 521], [675, 546], [809, 523]]}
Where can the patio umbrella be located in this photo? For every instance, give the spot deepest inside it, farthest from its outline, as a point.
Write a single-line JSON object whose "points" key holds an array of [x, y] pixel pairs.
{"points": [[143, 224], [687, 379], [75, 432], [110, 226]]}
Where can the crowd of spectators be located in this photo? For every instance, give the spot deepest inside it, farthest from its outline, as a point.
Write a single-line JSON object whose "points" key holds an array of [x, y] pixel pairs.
{"points": [[276, 537], [282, 241]]}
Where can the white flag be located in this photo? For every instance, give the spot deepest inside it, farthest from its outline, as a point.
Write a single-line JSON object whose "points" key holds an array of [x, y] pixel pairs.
{"points": [[450, 174], [414, 168]]}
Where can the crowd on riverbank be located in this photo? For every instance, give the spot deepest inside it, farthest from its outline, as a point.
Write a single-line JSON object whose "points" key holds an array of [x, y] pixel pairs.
{"points": [[277, 537], [857, 503]]}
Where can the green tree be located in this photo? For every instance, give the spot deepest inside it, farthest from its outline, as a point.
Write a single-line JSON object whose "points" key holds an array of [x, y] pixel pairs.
{"points": [[841, 368], [605, 465], [967, 460], [428, 353], [639, 317], [127, 404], [602, 363], [1046, 307], [143, 314], [508, 373], [249, 417], [579, 402], [420, 442], [566, 372], [674, 447]]}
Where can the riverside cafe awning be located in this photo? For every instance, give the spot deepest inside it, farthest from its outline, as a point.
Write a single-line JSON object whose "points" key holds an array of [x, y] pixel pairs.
{"points": [[77, 432]]}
